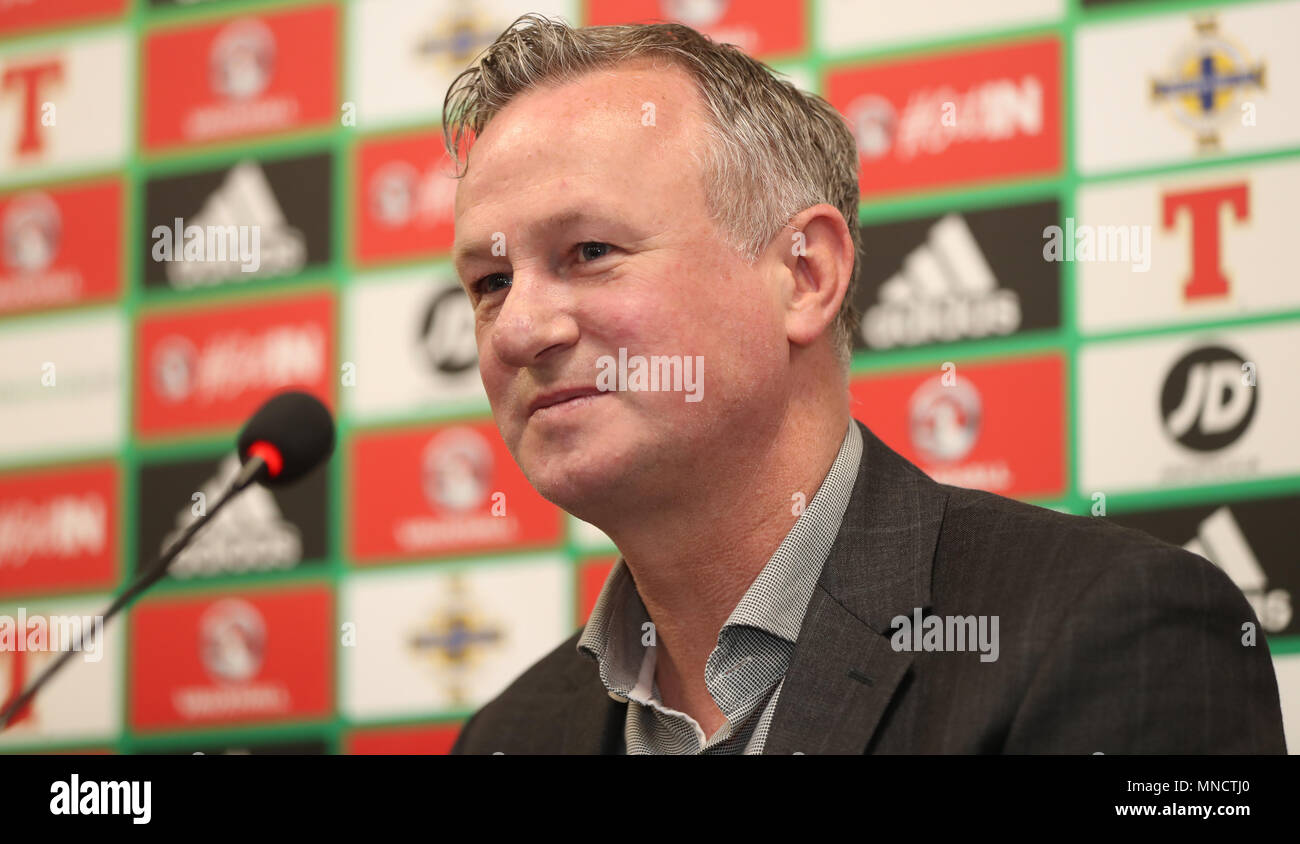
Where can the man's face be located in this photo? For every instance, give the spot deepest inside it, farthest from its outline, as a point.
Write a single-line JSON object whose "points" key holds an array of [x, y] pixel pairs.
{"points": [[590, 190]]}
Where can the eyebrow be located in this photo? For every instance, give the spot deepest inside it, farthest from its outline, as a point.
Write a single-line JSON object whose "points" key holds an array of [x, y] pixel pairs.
{"points": [[558, 220]]}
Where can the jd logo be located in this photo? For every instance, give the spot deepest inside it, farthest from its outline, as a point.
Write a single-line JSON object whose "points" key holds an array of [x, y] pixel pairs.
{"points": [[447, 333], [1206, 401]]}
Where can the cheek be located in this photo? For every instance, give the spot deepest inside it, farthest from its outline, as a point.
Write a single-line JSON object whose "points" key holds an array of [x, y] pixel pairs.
{"points": [[746, 344], [495, 378], [627, 313], [733, 311]]}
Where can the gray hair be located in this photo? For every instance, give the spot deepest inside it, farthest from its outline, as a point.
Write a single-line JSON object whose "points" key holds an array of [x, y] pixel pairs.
{"points": [[771, 150]]}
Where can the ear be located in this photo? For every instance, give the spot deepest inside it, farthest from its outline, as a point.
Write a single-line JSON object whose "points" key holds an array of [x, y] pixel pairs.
{"points": [[818, 257]]}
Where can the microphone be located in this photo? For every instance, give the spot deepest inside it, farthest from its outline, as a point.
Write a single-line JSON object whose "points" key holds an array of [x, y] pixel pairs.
{"points": [[289, 435]]}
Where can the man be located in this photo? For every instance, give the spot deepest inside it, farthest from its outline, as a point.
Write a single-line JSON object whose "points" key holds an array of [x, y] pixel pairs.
{"points": [[787, 583]]}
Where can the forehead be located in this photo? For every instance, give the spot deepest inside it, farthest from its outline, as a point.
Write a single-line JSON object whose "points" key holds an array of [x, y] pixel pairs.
{"points": [[613, 134]]}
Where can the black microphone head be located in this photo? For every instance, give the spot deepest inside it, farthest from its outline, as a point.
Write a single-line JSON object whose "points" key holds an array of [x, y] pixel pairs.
{"points": [[292, 429]]}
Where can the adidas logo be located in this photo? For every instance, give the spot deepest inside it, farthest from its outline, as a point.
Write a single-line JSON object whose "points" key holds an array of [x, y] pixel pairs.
{"points": [[1221, 541], [249, 534], [944, 291], [245, 199]]}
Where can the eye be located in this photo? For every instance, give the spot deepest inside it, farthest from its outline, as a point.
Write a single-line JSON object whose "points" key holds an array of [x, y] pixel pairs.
{"points": [[482, 288], [591, 250]]}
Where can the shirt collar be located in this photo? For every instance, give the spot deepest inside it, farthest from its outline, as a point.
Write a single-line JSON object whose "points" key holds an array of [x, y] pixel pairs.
{"points": [[777, 599], [774, 603], [613, 633]]}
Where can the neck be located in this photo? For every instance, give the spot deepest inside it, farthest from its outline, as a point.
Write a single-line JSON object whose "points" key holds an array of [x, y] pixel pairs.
{"points": [[696, 553]]}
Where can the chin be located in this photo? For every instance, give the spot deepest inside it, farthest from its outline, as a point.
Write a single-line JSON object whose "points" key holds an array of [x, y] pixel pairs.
{"points": [[573, 492], [579, 478]]}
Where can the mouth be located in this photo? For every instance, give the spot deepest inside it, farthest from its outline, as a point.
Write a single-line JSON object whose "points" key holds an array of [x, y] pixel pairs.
{"points": [[563, 401]]}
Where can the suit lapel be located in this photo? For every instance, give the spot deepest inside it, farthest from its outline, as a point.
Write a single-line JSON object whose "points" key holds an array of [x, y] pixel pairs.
{"points": [[843, 672], [593, 721]]}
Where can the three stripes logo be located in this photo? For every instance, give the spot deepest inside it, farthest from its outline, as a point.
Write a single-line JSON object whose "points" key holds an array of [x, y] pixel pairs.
{"points": [[251, 534], [944, 291], [245, 198], [1221, 541]]}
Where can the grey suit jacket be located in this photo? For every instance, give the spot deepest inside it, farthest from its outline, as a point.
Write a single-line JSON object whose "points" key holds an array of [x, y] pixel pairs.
{"points": [[1110, 641]]}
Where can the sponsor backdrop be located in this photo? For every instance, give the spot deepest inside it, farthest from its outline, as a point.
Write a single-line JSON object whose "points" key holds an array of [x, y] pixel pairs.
{"points": [[1076, 290]]}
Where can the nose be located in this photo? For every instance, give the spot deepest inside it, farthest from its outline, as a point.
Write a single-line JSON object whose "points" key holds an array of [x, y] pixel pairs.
{"points": [[534, 321]]}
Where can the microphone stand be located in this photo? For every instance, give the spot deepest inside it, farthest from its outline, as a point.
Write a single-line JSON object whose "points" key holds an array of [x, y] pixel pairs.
{"points": [[248, 473]]}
